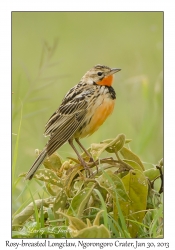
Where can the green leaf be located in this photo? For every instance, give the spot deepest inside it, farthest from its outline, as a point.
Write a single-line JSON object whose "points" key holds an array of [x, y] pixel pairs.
{"points": [[96, 222], [97, 149], [94, 232], [112, 183], [105, 214], [136, 186], [152, 173], [60, 202], [52, 189], [133, 164], [74, 222], [20, 234], [153, 226], [20, 218], [56, 231], [78, 185], [117, 144], [108, 145], [78, 229], [30, 230], [79, 202], [51, 217], [53, 162], [49, 176], [71, 176], [161, 163], [117, 212], [129, 155]]}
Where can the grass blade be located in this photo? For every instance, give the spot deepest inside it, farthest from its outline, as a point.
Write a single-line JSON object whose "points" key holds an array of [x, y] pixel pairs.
{"points": [[103, 207], [15, 155]]}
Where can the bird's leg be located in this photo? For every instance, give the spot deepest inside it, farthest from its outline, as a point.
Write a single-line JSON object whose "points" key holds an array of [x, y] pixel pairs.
{"points": [[87, 153], [79, 157]]}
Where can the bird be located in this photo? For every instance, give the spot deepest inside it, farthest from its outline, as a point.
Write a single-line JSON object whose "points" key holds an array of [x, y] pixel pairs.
{"points": [[82, 111]]}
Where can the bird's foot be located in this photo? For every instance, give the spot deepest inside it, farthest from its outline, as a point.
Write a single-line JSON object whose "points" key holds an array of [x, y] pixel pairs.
{"points": [[87, 169]]}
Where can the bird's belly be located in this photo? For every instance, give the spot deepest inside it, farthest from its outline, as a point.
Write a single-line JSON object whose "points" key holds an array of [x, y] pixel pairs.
{"points": [[95, 118]]}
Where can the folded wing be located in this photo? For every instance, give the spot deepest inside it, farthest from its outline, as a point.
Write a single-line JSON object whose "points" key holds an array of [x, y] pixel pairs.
{"points": [[65, 121]]}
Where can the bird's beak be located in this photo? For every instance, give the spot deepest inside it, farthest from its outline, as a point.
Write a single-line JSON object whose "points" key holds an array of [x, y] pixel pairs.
{"points": [[113, 71]]}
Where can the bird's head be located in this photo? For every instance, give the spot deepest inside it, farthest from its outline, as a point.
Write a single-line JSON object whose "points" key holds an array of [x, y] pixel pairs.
{"points": [[100, 74]]}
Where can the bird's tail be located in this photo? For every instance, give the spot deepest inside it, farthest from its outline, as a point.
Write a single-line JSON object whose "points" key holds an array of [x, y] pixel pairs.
{"points": [[36, 164]]}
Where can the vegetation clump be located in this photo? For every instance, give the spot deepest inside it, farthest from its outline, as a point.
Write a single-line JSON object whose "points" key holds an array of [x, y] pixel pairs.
{"points": [[116, 200]]}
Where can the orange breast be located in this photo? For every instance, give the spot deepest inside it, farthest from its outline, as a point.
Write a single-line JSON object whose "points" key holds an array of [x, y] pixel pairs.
{"points": [[100, 114], [107, 81]]}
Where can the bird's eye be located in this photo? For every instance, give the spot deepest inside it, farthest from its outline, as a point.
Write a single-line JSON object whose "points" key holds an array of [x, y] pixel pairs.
{"points": [[99, 73]]}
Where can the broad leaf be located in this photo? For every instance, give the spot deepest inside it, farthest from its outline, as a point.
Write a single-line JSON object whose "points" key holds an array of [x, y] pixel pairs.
{"points": [[129, 155], [68, 180], [108, 145], [60, 202], [79, 202], [112, 183], [78, 229], [136, 186], [152, 173], [48, 175], [133, 164], [53, 162], [52, 189], [21, 217], [94, 232], [96, 222], [74, 222]]}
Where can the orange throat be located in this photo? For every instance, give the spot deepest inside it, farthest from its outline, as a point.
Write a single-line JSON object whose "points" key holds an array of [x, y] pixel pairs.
{"points": [[107, 81]]}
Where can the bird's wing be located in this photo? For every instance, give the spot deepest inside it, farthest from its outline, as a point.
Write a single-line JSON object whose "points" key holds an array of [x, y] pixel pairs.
{"points": [[66, 120]]}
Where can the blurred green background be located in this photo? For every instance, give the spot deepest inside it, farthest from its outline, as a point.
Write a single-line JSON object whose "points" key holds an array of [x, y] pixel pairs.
{"points": [[132, 41]]}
